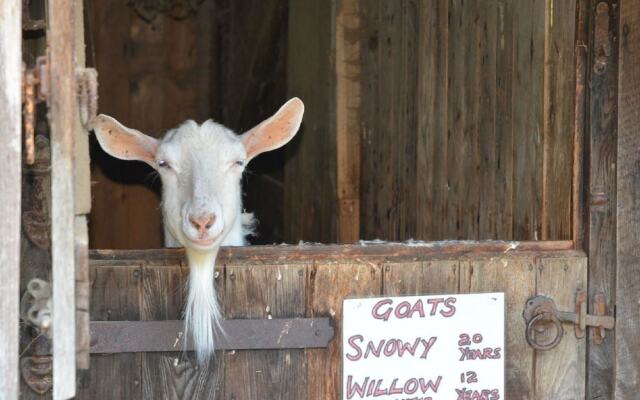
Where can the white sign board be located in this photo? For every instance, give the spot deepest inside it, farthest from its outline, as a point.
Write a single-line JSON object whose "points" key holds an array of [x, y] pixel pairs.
{"points": [[446, 347]]}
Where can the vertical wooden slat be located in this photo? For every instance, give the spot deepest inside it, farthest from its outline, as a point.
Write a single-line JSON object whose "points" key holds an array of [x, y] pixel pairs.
{"points": [[10, 181], [83, 337], [266, 291], [628, 207], [431, 106], [328, 285], [558, 119], [310, 204], [529, 18], [504, 151], [486, 72], [560, 373], [456, 120], [348, 131], [390, 77], [63, 116], [516, 277], [468, 204], [600, 143], [418, 278], [173, 375], [115, 296]]}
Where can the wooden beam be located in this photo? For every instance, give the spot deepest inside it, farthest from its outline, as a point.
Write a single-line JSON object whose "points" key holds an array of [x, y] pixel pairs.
{"points": [[10, 196], [63, 118], [348, 131], [600, 146], [628, 204], [366, 251]]}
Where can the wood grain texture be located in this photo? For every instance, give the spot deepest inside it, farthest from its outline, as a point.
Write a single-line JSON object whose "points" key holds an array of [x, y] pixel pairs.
{"points": [[628, 205], [600, 141], [560, 373], [83, 287], [328, 285], [82, 182], [10, 181], [529, 17], [418, 278], [265, 291], [115, 295], [431, 124], [389, 84], [349, 40], [516, 277], [504, 136], [310, 205], [63, 115], [173, 375], [560, 75]]}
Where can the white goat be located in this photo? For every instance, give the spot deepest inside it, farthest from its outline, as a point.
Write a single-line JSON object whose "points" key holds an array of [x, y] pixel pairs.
{"points": [[201, 167]]}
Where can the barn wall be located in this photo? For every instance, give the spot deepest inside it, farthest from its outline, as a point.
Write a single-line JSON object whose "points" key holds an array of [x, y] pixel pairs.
{"points": [[226, 61], [466, 118]]}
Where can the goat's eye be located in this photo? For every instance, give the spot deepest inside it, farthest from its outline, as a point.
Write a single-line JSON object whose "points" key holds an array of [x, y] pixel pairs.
{"points": [[163, 164], [239, 163]]}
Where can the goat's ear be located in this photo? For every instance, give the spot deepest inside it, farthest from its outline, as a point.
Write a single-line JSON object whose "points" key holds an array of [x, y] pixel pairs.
{"points": [[124, 143], [276, 131]]}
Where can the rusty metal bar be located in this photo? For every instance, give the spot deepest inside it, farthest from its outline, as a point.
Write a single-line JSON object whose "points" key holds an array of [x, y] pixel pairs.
{"points": [[151, 336]]}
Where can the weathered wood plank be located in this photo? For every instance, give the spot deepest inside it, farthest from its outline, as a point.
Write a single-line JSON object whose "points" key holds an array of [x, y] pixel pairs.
{"points": [[529, 18], [10, 181], [456, 120], [265, 291], [348, 129], [431, 124], [516, 277], [504, 151], [560, 373], [328, 285], [628, 205], [173, 375], [559, 101], [83, 286], [418, 278], [490, 206], [82, 182], [63, 116], [366, 251], [600, 142], [310, 204], [115, 295], [468, 202]]}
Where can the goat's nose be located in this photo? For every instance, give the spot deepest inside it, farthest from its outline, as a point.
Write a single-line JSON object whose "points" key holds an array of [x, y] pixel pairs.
{"points": [[202, 222]]}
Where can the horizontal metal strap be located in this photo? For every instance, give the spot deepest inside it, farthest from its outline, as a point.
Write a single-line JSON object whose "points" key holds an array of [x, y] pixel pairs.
{"points": [[240, 334]]}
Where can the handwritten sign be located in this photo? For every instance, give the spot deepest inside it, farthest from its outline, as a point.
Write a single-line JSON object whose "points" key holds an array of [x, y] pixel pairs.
{"points": [[424, 347]]}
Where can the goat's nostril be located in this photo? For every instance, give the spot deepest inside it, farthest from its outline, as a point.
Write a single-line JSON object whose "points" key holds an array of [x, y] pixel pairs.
{"points": [[203, 222]]}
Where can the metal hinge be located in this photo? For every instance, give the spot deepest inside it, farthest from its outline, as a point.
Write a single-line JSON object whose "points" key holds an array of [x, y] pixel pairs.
{"points": [[35, 88], [544, 321]]}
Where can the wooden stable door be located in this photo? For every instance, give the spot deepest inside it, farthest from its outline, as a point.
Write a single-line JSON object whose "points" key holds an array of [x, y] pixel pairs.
{"points": [[312, 281]]}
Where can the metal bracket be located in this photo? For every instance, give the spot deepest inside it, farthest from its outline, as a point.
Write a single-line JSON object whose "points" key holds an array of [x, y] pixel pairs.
{"points": [[544, 321], [239, 334], [35, 88]]}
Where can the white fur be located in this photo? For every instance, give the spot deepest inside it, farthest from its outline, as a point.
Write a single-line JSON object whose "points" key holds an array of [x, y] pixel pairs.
{"points": [[201, 167]]}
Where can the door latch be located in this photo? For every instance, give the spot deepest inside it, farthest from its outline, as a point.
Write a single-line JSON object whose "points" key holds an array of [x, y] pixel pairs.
{"points": [[543, 320]]}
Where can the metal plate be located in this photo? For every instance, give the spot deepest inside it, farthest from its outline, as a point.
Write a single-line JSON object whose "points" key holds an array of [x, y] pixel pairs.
{"points": [[150, 336]]}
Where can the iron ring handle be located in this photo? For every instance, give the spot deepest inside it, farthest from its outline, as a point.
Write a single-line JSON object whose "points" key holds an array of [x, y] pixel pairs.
{"points": [[530, 327]]}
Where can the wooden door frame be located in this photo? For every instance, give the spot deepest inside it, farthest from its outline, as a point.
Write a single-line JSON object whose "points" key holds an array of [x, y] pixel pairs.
{"points": [[606, 194]]}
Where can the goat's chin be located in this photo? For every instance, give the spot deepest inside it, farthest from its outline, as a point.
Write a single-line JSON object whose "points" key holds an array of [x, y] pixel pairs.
{"points": [[203, 245]]}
